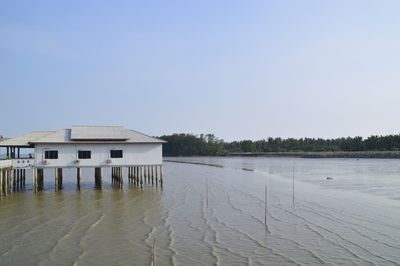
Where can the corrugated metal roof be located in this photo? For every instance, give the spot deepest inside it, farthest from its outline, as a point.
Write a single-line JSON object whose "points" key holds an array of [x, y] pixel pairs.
{"points": [[91, 134], [99, 133], [25, 139]]}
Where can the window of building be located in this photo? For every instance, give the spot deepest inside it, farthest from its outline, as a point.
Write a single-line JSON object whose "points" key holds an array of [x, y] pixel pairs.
{"points": [[51, 154], [116, 154], [84, 154]]}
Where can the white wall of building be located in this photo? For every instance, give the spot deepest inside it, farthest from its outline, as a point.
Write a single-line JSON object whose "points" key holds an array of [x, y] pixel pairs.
{"points": [[133, 154]]}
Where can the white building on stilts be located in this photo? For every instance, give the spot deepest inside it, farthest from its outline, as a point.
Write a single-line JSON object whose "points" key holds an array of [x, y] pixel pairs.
{"points": [[80, 147]]}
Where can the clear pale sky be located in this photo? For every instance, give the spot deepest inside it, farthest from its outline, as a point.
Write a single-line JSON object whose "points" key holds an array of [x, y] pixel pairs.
{"points": [[238, 69]]}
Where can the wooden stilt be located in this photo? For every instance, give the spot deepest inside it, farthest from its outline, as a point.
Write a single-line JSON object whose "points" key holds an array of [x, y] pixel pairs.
{"points": [[16, 179], [20, 179], [120, 177], [141, 175], [6, 182], [12, 180], [156, 173], [152, 174], [39, 184], [56, 179], [161, 175], [60, 178], [98, 173], [41, 179], [34, 184], [1, 183], [136, 175], [78, 177]]}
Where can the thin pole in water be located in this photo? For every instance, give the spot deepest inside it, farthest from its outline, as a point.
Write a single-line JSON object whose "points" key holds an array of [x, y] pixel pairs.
{"points": [[207, 191], [154, 257], [265, 206], [294, 166]]}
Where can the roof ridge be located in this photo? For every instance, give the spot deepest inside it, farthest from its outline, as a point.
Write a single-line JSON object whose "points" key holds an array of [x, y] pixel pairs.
{"points": [[95, 126]]}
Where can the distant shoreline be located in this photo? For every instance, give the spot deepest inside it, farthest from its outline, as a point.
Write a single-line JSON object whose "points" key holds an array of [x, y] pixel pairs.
{"points": [[317, 155], [321, 155]]}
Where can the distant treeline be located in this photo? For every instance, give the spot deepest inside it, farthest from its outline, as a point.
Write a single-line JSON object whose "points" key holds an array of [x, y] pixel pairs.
{"points": [[208, 144]]}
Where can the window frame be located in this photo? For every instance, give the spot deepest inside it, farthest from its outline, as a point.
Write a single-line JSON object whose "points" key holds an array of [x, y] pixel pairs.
{"points": [[116, 157], [49, 154], [82, 152]]}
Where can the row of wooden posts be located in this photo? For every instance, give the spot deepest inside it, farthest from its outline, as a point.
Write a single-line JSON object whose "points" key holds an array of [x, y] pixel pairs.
{"points": [[12, 180], [138, 175]]}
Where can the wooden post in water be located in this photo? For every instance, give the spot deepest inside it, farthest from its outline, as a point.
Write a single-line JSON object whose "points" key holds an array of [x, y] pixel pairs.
{"points": [[4, 181], [113, 175], [265, 207], [20, 179], [148, 174], [12, 180], [23, 178], [152, 174], [137, 176], [118, 176], [98, 175], [1, 182], [154, 257], [17, 179], [7, 180], [294, 166], [134, 174], [121, 177], [207, 192], [155, 174], [60, 178], [78, 177], [141, 175], [161, 175], [56, 179], [39, 179], [34, 180]]}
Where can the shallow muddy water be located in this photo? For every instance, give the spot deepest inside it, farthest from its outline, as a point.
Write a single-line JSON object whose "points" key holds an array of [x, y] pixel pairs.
{"points": [[213, 215]]}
